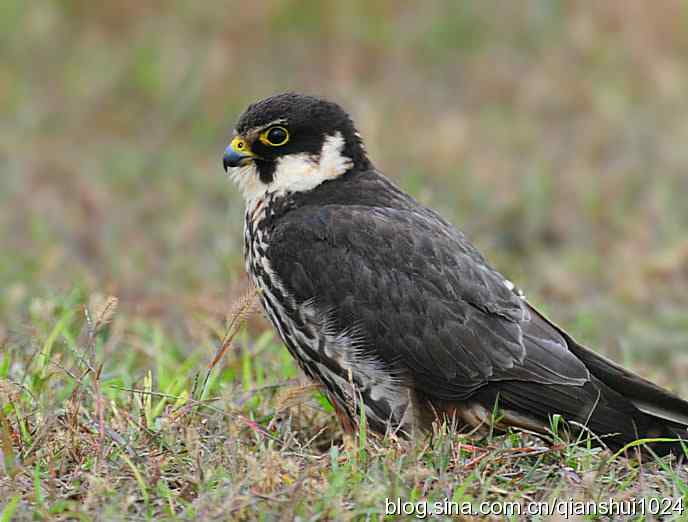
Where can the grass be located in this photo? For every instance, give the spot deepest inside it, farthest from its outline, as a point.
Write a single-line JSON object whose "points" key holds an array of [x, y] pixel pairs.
{"points": [[88, 432], [132, 384]]}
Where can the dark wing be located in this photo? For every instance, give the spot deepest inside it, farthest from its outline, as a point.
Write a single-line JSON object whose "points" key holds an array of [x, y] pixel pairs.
{"points": [[424, 299]]}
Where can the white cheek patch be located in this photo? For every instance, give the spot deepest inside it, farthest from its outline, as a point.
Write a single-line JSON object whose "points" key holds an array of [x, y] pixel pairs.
{"points": [[332, 162], [302, 172], [295, 172]]}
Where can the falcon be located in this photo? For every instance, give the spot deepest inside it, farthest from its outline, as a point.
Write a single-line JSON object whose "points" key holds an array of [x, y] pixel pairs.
{"points": [[390, 308]]}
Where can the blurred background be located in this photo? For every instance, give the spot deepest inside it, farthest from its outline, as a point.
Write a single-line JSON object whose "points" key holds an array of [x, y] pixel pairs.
{"points": [[553, 133]]}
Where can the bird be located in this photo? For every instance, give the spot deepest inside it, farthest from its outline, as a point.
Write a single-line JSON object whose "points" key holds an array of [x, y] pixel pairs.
{"points": [[390, 308]]}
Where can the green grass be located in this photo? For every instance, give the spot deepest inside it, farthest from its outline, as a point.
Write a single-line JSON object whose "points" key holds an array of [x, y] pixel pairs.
{"points": [[553, 134]]}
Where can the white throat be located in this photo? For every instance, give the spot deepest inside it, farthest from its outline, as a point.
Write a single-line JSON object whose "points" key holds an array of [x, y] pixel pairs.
{"points": [[295, 172]]}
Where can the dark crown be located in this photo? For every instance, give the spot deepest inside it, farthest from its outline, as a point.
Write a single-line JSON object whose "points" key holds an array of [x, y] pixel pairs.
{"points": [[310, 118]]}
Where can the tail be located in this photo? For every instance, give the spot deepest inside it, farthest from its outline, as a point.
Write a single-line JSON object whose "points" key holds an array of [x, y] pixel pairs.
{"points": [[654, 411], [658, 412], [630, 420]]}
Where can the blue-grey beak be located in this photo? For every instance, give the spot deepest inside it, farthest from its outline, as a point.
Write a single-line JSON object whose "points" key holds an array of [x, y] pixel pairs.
{"points": [[237, 153], [233, 158]]}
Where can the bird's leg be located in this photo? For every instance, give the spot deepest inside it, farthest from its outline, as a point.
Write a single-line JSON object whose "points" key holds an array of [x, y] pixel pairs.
{"points": [[347, 426], [344, 419]]}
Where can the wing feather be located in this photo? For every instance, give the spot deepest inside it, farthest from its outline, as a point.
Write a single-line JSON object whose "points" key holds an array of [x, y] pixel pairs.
{"points": [[423, 299]]}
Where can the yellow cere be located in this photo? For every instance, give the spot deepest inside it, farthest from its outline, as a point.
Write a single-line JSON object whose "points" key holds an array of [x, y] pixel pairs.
{"points": [[239, 145]]}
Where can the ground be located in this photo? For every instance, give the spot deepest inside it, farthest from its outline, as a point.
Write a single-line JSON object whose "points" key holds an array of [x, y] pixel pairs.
{"points": [[135, 381]]}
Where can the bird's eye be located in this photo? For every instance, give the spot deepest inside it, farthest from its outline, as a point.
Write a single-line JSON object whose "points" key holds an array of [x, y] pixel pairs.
{"points": [[275, 136]]}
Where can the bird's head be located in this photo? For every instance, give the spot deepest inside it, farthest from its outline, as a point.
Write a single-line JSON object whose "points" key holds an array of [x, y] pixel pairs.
{"points": [[292, 143]]}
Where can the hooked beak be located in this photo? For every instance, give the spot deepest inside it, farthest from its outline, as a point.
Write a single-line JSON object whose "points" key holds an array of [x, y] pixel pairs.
{"points": [[237, 154]]}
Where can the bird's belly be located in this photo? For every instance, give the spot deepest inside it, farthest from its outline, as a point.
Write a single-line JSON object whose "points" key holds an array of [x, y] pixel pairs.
{"points": [[335, 359]]}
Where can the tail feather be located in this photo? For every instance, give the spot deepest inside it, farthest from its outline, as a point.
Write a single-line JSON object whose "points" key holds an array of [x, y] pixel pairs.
{"points": [[646, 425], [660, 413], [659, 428], [645, 395]]}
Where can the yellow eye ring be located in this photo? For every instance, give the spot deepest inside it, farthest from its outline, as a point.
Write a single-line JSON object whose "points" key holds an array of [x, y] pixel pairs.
{"points": [[274, 136]]}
